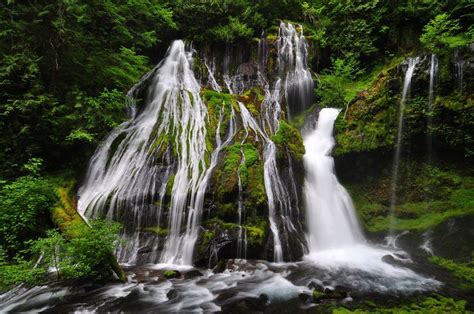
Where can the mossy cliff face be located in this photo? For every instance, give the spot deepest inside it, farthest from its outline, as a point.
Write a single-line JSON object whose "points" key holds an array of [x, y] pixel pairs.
{"points": [[437, 145], [370, 121], [238, 183]]}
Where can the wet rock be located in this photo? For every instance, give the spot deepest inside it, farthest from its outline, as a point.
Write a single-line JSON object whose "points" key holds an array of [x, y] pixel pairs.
{"points": [[304, 297], [316, 286], [249, 304], [172, 294], [342, 290], [330, 294], [265, 299], [192, 274], [145, 249], [389, 259]]}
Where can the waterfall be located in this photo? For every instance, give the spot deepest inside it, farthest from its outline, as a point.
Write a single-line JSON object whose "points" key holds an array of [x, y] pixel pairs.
{"points": [[292, 68], [331, 218], [130, 171], [459, 68], [412, 62], [274, 189], [336, 242], [161, 155], [211, 78]]}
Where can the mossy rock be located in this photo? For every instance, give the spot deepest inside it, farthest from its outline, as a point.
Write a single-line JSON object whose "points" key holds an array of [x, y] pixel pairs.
{"points": [[288, 136], [170, 274]]}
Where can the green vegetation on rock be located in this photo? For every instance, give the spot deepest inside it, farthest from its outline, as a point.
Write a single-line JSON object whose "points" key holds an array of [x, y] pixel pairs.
{"points": [[462, 271], [429, 196], [433, 304]]}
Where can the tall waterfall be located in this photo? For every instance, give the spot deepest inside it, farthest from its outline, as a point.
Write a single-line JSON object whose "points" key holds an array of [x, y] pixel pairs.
{"points": [[331, 217], [412, 62], [292, 68], [125, 177]]}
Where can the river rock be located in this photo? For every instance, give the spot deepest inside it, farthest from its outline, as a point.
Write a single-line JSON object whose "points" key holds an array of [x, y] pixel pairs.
{"points": [[192, 274]]}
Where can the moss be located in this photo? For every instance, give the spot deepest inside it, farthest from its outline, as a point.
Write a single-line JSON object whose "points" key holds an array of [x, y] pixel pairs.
{"points": [[432, 304], [252, 99], [369, 121], [232, 158], [256, 232], [251, 157], [169, 273], [318, 294], [463, 271], [68, 220], [162, 232], [216, 223], [64, 214], [205, 238], [290, 137], [169, 185], [256, 196], [429, 196]]}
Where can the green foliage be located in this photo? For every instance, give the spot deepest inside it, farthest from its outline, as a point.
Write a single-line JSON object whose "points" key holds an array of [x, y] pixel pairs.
{"points": [[18, 271], [25, 204], [457, 127], [334, 85], [439, 34], [54, 51], [232, 31], [87, 255], [33, 166]]}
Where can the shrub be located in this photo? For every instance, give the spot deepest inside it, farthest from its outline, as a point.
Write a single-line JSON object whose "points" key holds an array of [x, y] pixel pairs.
{"points": [[24, 212], [88, 255]]}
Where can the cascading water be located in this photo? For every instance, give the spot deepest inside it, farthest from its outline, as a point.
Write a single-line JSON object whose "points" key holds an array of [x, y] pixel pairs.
{"points": [[160, 155], [412, 62], [125, 175], [459, 68], [336, 242], [337, 227], [429, 123], [292, 68]]}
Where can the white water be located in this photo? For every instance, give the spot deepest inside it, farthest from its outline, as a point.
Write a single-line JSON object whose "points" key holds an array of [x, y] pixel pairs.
{"points": [[292, 67], [331, 217], [335, 238], [128, 178], [412, 62]]}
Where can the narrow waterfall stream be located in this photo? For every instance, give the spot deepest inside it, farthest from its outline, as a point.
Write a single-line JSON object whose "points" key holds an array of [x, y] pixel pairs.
{"points": [[412, 62], [293, 69]]}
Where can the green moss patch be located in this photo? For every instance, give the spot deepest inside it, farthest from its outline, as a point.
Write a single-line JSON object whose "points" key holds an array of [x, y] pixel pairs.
{"points": [[290, 137], [429, 196], [462, 271]]}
